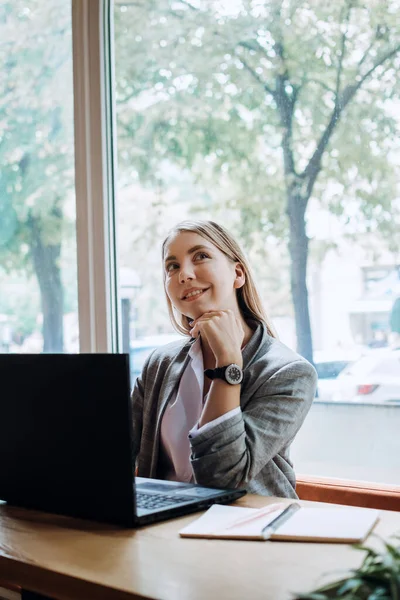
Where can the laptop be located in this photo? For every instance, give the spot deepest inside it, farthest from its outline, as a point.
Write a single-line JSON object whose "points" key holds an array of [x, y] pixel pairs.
{"points": [[66, 443]]}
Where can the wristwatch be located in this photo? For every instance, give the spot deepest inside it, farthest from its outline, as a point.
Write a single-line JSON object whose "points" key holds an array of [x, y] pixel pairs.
{"points": [[232, 374]]}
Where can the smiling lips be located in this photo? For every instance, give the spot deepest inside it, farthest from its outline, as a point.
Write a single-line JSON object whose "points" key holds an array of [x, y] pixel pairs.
{"points": [[194, 294]]}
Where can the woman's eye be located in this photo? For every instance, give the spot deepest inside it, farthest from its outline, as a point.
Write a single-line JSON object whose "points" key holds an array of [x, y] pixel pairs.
{"points": [[201, 255], [171, 267]]}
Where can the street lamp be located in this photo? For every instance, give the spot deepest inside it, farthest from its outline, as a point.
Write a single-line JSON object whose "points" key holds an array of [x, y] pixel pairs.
{"points": [[129, 283]]}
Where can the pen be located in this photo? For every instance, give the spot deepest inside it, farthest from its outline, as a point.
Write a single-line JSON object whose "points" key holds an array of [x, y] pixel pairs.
{"points": [[262, 512], [279, 520]]}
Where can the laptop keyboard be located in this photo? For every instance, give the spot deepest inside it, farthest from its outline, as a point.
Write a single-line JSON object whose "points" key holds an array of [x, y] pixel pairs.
{"points": [[149, 501]]}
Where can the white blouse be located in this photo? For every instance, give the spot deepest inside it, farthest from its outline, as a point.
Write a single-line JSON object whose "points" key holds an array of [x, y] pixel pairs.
{"points": [[180, 420]]}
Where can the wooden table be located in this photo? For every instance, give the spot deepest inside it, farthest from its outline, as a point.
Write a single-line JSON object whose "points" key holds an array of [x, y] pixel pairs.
{"points": [[68, 559]]}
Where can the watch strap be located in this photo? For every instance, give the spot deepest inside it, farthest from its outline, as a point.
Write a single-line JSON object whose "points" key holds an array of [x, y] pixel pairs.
{"points": [[217, 373]]}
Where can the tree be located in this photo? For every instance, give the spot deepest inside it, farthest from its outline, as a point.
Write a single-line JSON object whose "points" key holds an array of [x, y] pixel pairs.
{"points": [[289, 100], [36, 148]]}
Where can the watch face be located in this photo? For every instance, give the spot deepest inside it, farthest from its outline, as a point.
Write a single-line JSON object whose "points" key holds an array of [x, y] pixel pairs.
{"points": [[233, 374]]}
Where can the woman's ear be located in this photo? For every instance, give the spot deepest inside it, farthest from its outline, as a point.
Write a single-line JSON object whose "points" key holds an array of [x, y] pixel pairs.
{"points": [[240, 277]]}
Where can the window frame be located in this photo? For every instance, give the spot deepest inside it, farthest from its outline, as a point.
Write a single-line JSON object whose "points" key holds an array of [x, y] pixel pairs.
{"points": [[99, 329], [95, 164]]}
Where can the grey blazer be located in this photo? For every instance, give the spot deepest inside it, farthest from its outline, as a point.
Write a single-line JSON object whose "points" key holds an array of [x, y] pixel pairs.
{"points": [[249, 450]]}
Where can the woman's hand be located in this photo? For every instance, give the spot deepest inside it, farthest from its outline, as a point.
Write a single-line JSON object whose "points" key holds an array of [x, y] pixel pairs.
{"points": [[223, 332]]}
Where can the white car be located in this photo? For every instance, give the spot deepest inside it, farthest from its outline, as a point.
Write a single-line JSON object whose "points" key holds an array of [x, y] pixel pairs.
{"points": [[373, 379], [328, 365]]}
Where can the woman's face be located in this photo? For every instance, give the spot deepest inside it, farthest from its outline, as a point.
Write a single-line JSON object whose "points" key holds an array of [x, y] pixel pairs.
{"points": [[199, 277]]}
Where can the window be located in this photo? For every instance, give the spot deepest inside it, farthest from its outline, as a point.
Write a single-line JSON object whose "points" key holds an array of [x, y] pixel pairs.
{"points": [[38, 265], [279, 120]]}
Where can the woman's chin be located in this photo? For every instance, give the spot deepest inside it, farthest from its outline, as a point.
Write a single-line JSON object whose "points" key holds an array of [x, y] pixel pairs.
{"points": [[203, 309], [197, 312]]}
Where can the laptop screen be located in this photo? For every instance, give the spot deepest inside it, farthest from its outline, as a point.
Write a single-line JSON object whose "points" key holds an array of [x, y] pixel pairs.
{"points": [[65, 435]]}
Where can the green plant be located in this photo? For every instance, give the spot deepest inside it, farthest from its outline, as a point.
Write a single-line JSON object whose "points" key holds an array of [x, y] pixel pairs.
{"points": [[378, 578]]}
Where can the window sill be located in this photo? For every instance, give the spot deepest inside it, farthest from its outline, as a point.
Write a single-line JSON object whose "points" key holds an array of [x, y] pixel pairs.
{"points": [[346, 491]]}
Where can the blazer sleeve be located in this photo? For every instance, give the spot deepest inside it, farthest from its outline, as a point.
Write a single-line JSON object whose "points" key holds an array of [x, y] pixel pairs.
{"points": [[233, 453]]}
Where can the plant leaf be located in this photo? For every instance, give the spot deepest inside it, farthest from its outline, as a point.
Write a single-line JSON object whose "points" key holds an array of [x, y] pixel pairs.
{"points": [[351, 584], [369, 551], [379, 594], [395, 588], [378, 577], [312, 596], [393, 550]]}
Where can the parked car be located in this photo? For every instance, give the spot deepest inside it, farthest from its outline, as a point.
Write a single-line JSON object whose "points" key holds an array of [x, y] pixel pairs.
{"points": [[374, 379], [329, 365], [141, 348]]}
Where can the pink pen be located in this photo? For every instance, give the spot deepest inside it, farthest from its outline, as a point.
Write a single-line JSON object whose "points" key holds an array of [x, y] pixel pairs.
{"points": [[262, 512]]}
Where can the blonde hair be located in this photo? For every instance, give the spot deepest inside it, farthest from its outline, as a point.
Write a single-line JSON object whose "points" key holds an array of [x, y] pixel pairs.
{"points": [[248, 298]]}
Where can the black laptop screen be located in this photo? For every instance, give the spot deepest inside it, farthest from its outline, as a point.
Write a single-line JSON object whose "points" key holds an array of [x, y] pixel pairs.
{"points": [[65, 435]]}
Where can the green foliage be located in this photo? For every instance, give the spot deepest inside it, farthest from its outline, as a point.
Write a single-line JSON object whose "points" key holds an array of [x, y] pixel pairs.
{"points": [[36, 141], [197, 84], [378, 578], [36, 150]]}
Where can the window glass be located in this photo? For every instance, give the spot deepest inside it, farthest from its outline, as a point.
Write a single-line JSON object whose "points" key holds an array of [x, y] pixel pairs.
{"points": [[38, 275], [330, 370], [279, 120]]}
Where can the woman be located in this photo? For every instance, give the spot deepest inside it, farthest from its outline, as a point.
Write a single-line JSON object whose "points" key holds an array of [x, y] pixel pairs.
{"points": [[222, 407]]}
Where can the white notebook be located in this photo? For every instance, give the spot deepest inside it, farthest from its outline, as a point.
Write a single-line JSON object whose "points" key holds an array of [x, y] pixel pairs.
{"points": [[288, 522]]}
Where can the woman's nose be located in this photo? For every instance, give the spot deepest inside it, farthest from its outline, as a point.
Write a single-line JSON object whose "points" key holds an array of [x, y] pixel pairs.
{"points": [[186, 274]]}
